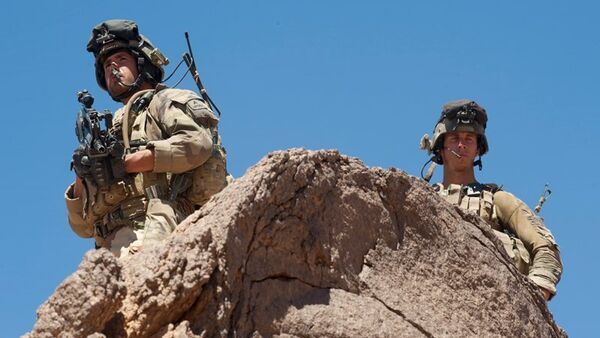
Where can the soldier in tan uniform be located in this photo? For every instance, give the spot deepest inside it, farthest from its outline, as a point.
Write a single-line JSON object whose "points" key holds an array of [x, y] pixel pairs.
{"points": [[173, 153], [458, 139]]}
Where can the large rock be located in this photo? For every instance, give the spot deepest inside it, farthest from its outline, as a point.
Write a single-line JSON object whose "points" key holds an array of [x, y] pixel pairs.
{"points": [[311, 244], [85, 301]]}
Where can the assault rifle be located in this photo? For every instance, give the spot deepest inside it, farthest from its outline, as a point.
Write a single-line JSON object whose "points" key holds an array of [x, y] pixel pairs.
{"points": [[99, 156]]}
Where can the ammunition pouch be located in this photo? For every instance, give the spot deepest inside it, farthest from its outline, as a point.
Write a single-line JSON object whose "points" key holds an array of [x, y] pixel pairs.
{"points": [[208, 179], [516, 251], [131, 213]]}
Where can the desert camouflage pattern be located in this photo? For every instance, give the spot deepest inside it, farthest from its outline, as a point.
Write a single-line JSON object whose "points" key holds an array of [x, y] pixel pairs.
{"points": [[525, 238], [129, 215], [210, 176]]}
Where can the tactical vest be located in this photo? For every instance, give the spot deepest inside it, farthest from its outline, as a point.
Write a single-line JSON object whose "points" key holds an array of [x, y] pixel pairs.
{"points": [[479, 198], [124, 203]]}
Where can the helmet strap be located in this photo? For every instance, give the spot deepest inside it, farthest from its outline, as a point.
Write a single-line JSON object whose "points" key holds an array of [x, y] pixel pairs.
{"points": [[478, 163], [133, 88], [136, 85], [430, 170]]}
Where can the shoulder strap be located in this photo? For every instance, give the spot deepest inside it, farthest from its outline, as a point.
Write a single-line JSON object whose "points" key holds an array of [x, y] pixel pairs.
{"points": [[153, 113], [126, 118], [492, 187]]}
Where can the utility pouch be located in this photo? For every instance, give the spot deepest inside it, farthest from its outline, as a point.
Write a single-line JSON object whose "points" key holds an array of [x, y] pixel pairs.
{"points": [[208, 179], [516, 251]]}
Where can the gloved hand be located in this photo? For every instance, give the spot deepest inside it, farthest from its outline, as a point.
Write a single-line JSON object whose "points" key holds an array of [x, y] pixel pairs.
{"points": [[100, 170], [81, 163], [96, 170]]}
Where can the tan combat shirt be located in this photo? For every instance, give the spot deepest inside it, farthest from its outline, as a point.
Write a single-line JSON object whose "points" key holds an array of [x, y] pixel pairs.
{"points": [[506, 213], [181, 131]]}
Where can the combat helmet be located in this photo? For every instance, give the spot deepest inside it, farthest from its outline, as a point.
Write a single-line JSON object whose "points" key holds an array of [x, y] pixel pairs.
{"points": [[460, 115], [112, 36]]}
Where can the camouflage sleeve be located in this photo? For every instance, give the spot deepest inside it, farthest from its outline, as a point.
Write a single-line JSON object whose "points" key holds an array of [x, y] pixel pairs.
{"points": [[75, 214], [189, 143], [546, 267]]}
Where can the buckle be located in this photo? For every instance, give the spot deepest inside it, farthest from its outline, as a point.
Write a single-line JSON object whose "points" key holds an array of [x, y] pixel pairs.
{"points": [[154, 191], [126, 214], [115, 215], [109, 223], [101, 229]]}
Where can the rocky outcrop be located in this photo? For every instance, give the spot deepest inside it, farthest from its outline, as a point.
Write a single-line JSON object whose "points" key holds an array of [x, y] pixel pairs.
{"points": [[308, 244]]}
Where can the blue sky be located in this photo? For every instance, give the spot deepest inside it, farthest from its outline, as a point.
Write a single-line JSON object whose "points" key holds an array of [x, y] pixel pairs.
{"points": [[367, 78]]}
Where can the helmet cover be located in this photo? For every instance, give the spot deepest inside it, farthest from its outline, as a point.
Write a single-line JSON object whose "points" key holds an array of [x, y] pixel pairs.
{"points": [[460, 115]]}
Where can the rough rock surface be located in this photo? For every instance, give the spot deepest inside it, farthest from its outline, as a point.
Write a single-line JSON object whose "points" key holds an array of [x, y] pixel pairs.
{"points": [[308, 244]]}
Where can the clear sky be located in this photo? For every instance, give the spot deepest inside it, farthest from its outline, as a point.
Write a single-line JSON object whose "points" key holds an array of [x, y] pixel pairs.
{"points": [[365, 77]]}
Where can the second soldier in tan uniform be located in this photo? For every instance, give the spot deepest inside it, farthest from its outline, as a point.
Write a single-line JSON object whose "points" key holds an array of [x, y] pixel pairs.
{"points": [[173, 138], [458, 139]]}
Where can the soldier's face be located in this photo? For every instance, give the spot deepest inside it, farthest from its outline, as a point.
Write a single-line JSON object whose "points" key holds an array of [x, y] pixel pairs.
{"points": [[119, 65], [460, 150]]}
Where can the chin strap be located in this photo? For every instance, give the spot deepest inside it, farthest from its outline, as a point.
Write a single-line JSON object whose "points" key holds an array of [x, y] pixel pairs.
{"points": [[135, 86], [430, 170], [132, 88], [478, 163]]}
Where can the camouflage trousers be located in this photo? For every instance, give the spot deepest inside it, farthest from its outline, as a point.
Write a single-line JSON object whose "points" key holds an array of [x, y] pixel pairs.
{"points": [[158, 222]]}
